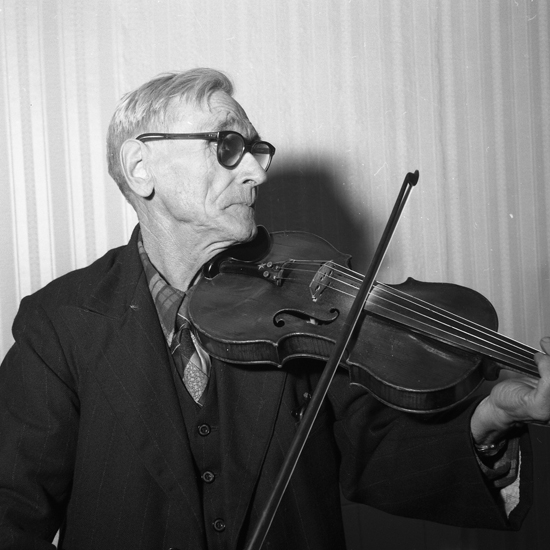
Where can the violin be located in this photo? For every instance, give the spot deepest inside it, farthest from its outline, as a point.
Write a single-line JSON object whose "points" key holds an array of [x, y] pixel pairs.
{"points": [[419, 347]]}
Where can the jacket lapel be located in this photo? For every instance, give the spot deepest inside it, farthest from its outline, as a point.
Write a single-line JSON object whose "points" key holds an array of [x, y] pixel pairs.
{"points": [[132, 366]]}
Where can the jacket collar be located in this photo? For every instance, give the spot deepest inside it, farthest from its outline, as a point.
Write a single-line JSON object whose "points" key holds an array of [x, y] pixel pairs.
{"points": [[122, 285]]}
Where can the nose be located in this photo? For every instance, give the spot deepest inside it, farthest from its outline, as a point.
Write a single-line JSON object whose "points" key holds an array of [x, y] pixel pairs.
{"points": [[253, 171]]}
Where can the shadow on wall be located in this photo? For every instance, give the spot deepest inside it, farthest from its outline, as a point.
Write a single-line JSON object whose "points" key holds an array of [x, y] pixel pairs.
{"points": [[304, 197]]}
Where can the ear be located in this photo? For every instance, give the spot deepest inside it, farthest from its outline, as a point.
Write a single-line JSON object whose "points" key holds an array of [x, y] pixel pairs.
{"points": [[134, 166]]}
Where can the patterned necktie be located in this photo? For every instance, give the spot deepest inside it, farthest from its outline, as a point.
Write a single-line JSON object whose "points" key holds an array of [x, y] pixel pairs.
{"points": [[188, 363]]}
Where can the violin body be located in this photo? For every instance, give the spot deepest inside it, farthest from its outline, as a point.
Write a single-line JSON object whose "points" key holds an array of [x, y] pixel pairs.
{"points": [[246, 319], [415, 372], [289, 300]]}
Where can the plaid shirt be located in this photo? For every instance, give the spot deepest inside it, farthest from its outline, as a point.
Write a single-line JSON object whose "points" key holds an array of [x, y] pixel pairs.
{"points": [[168, 301]]}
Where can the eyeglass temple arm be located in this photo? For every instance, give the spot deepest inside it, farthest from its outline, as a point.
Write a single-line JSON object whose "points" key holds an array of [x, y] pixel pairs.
{"points": [[157, 137]]}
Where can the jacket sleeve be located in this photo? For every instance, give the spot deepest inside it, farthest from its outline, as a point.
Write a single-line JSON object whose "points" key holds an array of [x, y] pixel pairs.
{"points": [[38, 427], [420, 466]]}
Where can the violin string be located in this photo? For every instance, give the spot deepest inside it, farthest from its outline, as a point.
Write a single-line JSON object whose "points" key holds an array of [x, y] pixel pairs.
{"points": [[425, 305], [453, 324], [442, 312], [490, 339], [453, 317], [468, 336]]}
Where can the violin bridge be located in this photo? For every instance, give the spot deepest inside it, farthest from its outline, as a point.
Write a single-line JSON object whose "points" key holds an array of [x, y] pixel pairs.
{"points": [[321, 280]]}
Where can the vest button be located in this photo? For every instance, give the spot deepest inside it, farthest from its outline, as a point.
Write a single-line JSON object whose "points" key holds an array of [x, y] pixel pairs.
{"points": [[204, 429], [219, 525], [208, 477]]}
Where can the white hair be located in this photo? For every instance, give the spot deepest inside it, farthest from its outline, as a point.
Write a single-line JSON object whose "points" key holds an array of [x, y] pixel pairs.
{"points": [[148, 107]]}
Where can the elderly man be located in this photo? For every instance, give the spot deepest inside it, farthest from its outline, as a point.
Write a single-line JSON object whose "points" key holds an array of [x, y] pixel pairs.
{"points": [[119, 430]]}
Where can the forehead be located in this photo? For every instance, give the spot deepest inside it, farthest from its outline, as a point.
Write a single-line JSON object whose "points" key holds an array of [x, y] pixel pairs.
{"points": [[220, 112]]}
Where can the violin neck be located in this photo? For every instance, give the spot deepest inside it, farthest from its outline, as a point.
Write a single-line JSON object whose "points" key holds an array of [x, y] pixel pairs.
{"points": [[445, 326]]}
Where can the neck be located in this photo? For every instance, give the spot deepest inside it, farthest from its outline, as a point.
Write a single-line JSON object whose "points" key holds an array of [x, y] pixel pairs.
{"points": [[178, 253]]}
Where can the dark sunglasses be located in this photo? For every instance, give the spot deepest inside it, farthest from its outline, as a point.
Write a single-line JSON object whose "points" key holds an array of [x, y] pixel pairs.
{"points": [[231, 146]]}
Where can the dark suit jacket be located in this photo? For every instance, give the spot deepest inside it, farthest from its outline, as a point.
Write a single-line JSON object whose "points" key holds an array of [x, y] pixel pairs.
{"points": [[93, 439]]}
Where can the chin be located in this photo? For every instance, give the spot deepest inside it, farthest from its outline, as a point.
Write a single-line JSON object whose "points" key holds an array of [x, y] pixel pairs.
{"points": [[249, 232], [253, 232], [242, 232]]}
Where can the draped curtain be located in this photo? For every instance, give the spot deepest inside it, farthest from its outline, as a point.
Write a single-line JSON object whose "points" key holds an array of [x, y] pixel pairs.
{"points": [[354, 94]]}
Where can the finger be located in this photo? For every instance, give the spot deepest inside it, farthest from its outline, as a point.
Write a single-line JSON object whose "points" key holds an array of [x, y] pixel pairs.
{"points": [[543, 359], [545, 344], [543, 365], [541, 397], [543, 362]]}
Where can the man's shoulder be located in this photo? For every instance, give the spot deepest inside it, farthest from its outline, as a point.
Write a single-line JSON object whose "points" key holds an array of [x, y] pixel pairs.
{"points": [[76, 286]]}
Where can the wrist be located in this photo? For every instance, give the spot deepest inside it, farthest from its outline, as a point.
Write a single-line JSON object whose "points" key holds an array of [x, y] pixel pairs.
{"points": [[490, 426]]}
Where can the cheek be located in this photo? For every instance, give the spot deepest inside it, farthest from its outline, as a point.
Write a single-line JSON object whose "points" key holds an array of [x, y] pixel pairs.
{"points": [[189, 184], [176, 181], [220, 190]]}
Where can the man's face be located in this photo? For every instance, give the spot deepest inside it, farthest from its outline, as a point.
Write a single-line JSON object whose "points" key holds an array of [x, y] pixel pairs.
{"points": [[192, 188]]}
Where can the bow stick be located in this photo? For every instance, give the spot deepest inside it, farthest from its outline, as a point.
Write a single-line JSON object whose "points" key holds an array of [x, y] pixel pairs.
{"points": [[285, 473]]}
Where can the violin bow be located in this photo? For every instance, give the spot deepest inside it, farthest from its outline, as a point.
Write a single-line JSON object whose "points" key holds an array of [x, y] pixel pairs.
{"points": [[285, 473]]}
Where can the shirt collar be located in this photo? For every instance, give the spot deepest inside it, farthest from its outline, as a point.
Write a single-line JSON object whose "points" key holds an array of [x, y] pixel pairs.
{"points": [[167, 299]]}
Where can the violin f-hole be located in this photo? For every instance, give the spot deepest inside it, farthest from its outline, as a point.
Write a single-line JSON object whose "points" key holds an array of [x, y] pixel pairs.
{"points": [[280, 319]]}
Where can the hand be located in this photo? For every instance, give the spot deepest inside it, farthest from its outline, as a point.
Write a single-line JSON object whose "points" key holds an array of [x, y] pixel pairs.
{"points": [[514, 402]]}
